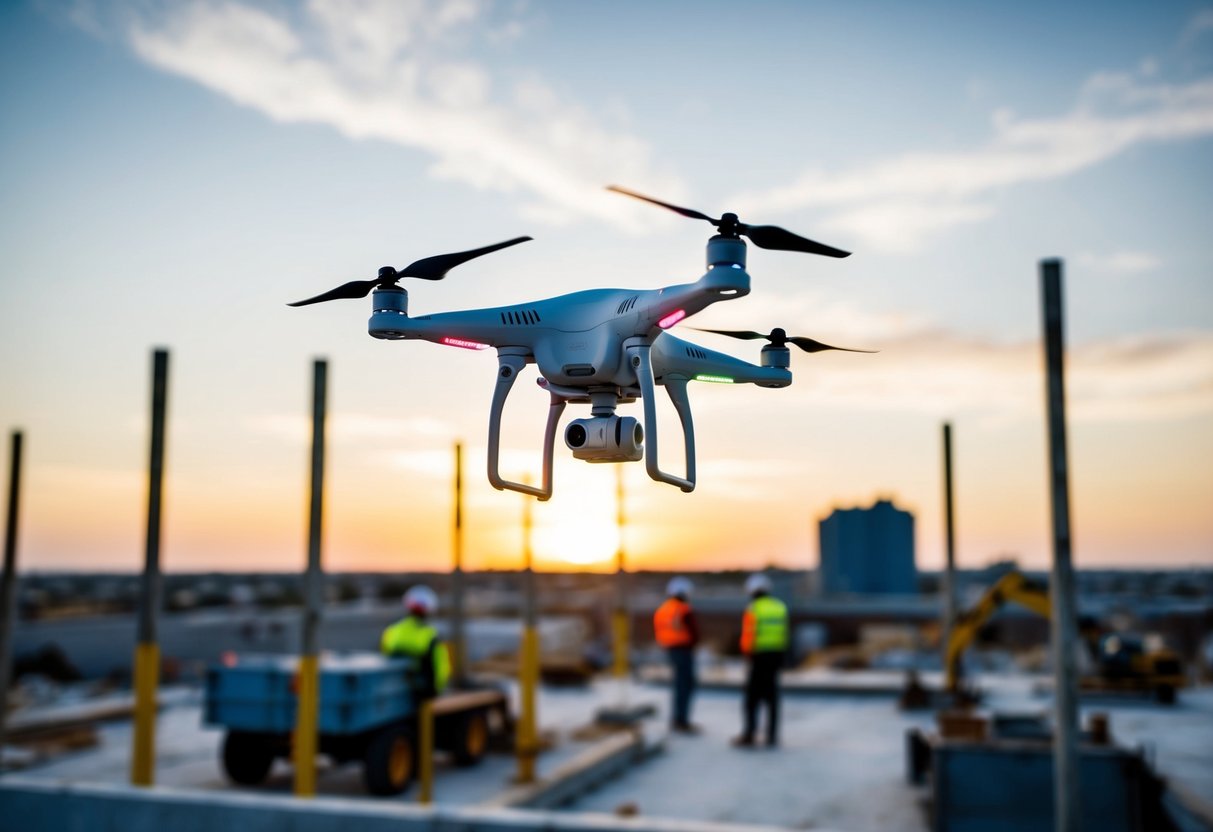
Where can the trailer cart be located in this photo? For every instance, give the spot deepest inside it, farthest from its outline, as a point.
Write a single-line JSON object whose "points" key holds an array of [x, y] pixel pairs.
{"points": [[367, 713]]}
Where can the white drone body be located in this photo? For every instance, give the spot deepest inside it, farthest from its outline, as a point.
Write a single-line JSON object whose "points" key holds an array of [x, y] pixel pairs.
{"points": [[602, 347]]}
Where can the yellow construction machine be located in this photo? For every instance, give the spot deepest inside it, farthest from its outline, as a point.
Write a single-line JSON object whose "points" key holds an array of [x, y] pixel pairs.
{"points": [[1121, 661]]}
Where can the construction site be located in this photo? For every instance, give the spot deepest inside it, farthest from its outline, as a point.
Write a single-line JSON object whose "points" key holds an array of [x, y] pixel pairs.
{"points": [[872, 737], [997, 699], [870, 494]]}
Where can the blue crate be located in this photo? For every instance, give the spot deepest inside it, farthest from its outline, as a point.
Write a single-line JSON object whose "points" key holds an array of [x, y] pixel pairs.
{"points": [[358, 692]]}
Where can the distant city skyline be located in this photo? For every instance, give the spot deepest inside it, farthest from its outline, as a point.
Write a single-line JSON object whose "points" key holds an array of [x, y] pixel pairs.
{"points": [[175, 172]]}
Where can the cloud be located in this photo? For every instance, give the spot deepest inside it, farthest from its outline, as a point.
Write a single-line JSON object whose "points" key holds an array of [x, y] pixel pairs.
{"points": [[809, 312], [895, 203], [394, 70], [351, 427], [1153, 377], [1119, 262], [1197, 26]]}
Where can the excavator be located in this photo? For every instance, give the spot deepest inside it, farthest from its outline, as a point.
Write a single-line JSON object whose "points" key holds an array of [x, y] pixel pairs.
{"points": [[1121, 661]]}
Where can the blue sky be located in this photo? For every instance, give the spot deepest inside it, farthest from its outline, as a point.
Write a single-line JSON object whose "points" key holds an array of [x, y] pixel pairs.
{"points": [[174, 172]]}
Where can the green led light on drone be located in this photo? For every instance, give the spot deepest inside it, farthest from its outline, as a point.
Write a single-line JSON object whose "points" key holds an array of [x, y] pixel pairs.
{"points": [[716, 379]]}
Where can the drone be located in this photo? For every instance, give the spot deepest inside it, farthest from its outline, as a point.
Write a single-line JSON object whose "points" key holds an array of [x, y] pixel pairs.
{"points": [[601, 347]]}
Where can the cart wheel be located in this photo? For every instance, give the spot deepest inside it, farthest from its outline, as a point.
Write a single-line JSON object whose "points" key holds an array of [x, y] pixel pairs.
{"points": [[247, 758], [1165, 694], [471, 738], [390, 761]]}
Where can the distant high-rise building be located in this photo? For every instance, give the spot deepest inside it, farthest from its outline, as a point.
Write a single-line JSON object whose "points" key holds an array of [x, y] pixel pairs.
{"points": [[868, 550]]}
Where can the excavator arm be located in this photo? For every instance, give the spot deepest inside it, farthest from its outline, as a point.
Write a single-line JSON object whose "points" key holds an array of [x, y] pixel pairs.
{"points": [[1012, 586]]}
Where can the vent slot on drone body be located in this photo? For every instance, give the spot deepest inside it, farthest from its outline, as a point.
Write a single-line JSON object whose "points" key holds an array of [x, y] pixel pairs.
{"points": [[626, 306], [695, 352], [520, 317]]}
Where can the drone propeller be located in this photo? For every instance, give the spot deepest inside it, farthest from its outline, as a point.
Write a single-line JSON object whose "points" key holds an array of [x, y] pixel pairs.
{"points": [[763, 236], [427, 268], [779, 338]]}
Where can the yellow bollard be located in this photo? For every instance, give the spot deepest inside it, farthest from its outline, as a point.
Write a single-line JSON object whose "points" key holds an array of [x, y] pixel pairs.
{"points": [[304, 753], [425, 753], [147, 675], [526, 740]]}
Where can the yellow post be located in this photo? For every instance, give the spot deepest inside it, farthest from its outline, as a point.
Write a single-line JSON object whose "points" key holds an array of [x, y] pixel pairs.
{"points": [[526, 739], [425, 753], [303, 756], [621, 641], [620, 618], [147, 675]]}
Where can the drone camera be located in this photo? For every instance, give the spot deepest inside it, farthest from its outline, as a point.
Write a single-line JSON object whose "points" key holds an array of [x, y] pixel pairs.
{"points": [[605, 439]]}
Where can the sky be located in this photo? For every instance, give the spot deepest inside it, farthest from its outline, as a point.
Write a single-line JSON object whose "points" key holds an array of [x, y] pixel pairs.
{"points": [[173, 173]]}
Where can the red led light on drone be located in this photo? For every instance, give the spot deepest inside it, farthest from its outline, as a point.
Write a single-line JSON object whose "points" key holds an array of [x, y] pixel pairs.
{"points": [[467, 345], [672, 318]]}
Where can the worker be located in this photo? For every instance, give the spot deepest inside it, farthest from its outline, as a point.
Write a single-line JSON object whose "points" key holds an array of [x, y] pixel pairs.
{"points": [[764, 641], [677, 631], [415, 637]]}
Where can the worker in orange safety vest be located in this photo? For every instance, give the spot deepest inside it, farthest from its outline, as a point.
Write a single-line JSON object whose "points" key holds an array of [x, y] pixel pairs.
{"points": [[677, 631]]}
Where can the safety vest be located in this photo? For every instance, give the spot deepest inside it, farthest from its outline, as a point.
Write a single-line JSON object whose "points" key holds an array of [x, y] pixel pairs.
{"points": [[413, 637], [764, 627], [670, 623]]}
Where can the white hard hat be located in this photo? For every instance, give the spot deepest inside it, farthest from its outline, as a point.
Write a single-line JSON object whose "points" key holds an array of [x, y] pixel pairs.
{"points": [[680, 586], [421, 599], [756, 583]]}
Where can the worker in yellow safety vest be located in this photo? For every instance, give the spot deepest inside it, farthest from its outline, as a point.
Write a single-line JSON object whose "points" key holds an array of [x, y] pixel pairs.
{"points": [[416, 638], [676, 630], [764, 641]]}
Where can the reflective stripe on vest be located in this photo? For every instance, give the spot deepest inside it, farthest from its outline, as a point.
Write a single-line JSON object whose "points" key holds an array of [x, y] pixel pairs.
{"points": [[770, 624], [670, 625]]}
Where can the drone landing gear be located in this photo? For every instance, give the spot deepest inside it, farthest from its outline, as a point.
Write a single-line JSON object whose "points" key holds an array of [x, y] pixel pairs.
{"points": [[638, 357], [510, 362]]}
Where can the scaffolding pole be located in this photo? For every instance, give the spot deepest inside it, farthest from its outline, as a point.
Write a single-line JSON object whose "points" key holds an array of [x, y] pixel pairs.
{"points": [[307, 712], [949, 579], [527, 739], [458, 638], [8, 581], [622, 635], [147, 647], [1064, 629]]}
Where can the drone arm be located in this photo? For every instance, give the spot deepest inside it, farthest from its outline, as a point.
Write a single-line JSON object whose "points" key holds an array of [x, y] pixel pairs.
{"points": [[509, 365], [638, 356]]}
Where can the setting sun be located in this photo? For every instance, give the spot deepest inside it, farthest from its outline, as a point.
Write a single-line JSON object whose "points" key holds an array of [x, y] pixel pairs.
{"points": [[578, 526]]}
